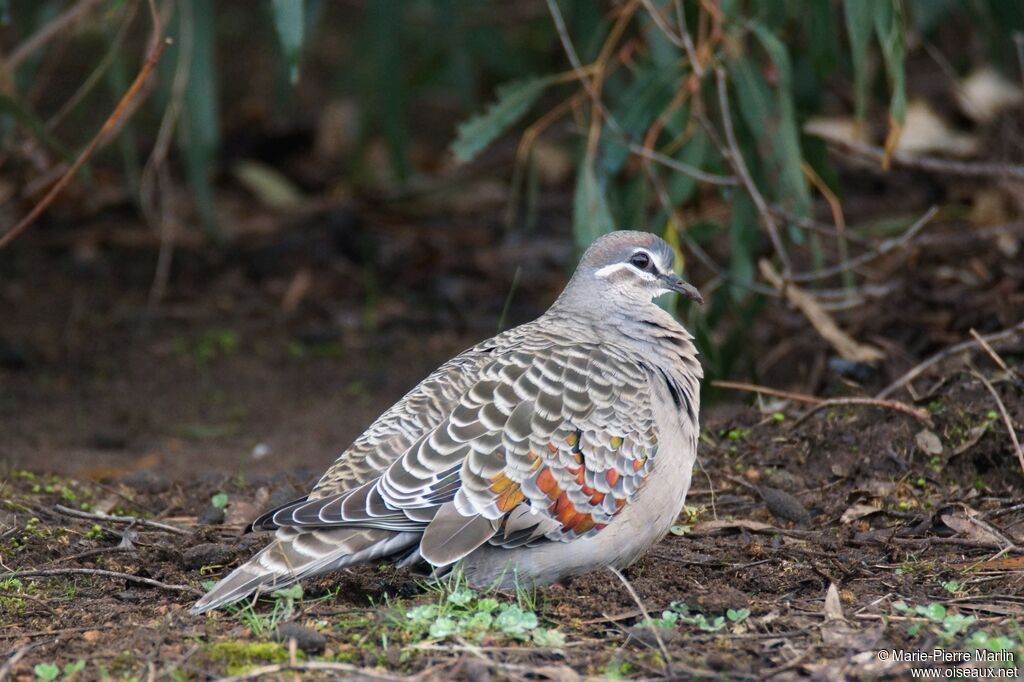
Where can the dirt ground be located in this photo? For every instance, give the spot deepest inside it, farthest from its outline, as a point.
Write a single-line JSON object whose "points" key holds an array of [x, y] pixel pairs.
{"points": [[816, 540]]}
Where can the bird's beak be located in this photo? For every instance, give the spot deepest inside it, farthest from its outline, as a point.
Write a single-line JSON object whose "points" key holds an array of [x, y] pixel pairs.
{"points": [[674, 282]]}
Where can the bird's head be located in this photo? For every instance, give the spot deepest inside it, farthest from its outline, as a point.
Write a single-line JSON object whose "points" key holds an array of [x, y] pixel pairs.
{"points": [[629, 267]]}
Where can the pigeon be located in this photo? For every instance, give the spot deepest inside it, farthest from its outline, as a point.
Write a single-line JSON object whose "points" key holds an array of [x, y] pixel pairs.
{"points": [[559, 447]]}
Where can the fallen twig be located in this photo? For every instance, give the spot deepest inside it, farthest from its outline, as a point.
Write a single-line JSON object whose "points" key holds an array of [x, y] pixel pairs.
{"points": [[49, 572], [824, 403], [647, 618], [1005, 415], [928, 163], [996, 358], [67, 511], [945, 353], [309, 666], [820, 319]]}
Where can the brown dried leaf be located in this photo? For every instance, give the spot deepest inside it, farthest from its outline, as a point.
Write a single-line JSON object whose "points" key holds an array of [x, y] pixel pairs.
{"points": [[858, 511], [833, 607]]}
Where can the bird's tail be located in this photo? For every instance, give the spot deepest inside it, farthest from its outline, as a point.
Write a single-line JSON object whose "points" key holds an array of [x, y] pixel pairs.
{"points": [[294, 555]]}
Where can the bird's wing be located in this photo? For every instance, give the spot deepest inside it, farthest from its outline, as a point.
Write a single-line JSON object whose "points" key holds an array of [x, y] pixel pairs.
{"points": [[565, 431], [416, 414]]}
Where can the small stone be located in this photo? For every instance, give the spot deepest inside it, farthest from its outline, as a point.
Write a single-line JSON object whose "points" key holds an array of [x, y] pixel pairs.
{"points": [[148, 482], [928, 442], [306, 639], [207, 554], [784, 506], [211, 516]]}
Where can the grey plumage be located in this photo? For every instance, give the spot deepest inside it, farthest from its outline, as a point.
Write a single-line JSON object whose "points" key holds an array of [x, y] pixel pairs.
{"points": [[553, 448]]}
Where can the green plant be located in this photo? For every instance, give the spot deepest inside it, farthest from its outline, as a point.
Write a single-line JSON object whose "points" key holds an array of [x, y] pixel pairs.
{"points": [[679, 613], [459, 611], [954, 629], [262, 624], [219, 500]]}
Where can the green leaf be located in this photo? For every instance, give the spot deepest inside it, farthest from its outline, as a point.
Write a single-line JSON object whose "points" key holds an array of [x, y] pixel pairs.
{"points": [[46, 671], [220, 500], [783, 129], [72, 669], [591, 217], [890, 25], [513, 101], [737, 615], [199, 136], [443, 627], [934, 611], [289, 20], [859, 28]]}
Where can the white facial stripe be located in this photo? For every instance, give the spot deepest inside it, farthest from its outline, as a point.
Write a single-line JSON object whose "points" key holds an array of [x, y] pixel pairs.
{"points": [[609, 270]]}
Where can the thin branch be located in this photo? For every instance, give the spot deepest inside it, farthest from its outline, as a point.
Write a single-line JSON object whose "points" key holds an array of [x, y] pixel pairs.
{"points": [[735, 158], [1006, 417], [51, 30], [309, 666], [109, 125], [49, 572], [883, 248], [68, 511], [824, 403], [929, 163], [679, 166], [917, 370], [647, 617], [662, 23], [90, 82], [996, 358], [684, 31]]}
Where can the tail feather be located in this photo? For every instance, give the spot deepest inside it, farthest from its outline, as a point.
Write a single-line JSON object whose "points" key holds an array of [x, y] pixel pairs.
{"points": [[294, 555]]}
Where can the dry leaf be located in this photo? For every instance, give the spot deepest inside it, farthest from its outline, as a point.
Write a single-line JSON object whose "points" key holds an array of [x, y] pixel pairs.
{"points": [[961, 522], [833, 607], [715, 526], [858, 511], [985, 93], [925, 132]]}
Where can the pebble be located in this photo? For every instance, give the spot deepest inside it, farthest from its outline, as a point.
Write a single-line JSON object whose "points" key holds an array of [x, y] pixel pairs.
{"points": [[306, 639]]}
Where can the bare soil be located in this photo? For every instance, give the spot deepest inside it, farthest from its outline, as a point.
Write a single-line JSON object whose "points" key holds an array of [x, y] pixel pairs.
{"points": [[232, 386]]}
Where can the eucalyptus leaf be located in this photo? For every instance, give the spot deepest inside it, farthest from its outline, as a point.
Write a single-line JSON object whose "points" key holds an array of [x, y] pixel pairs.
{"points": [[591, 216], [513, 101], [289, 21], [859, 27]]}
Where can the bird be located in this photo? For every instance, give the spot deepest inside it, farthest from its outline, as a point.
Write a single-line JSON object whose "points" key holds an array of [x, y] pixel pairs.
{"points": [[555, 448]]}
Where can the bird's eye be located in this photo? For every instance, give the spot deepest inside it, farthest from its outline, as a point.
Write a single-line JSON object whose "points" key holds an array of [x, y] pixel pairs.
{"points": [[640, 260]]}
